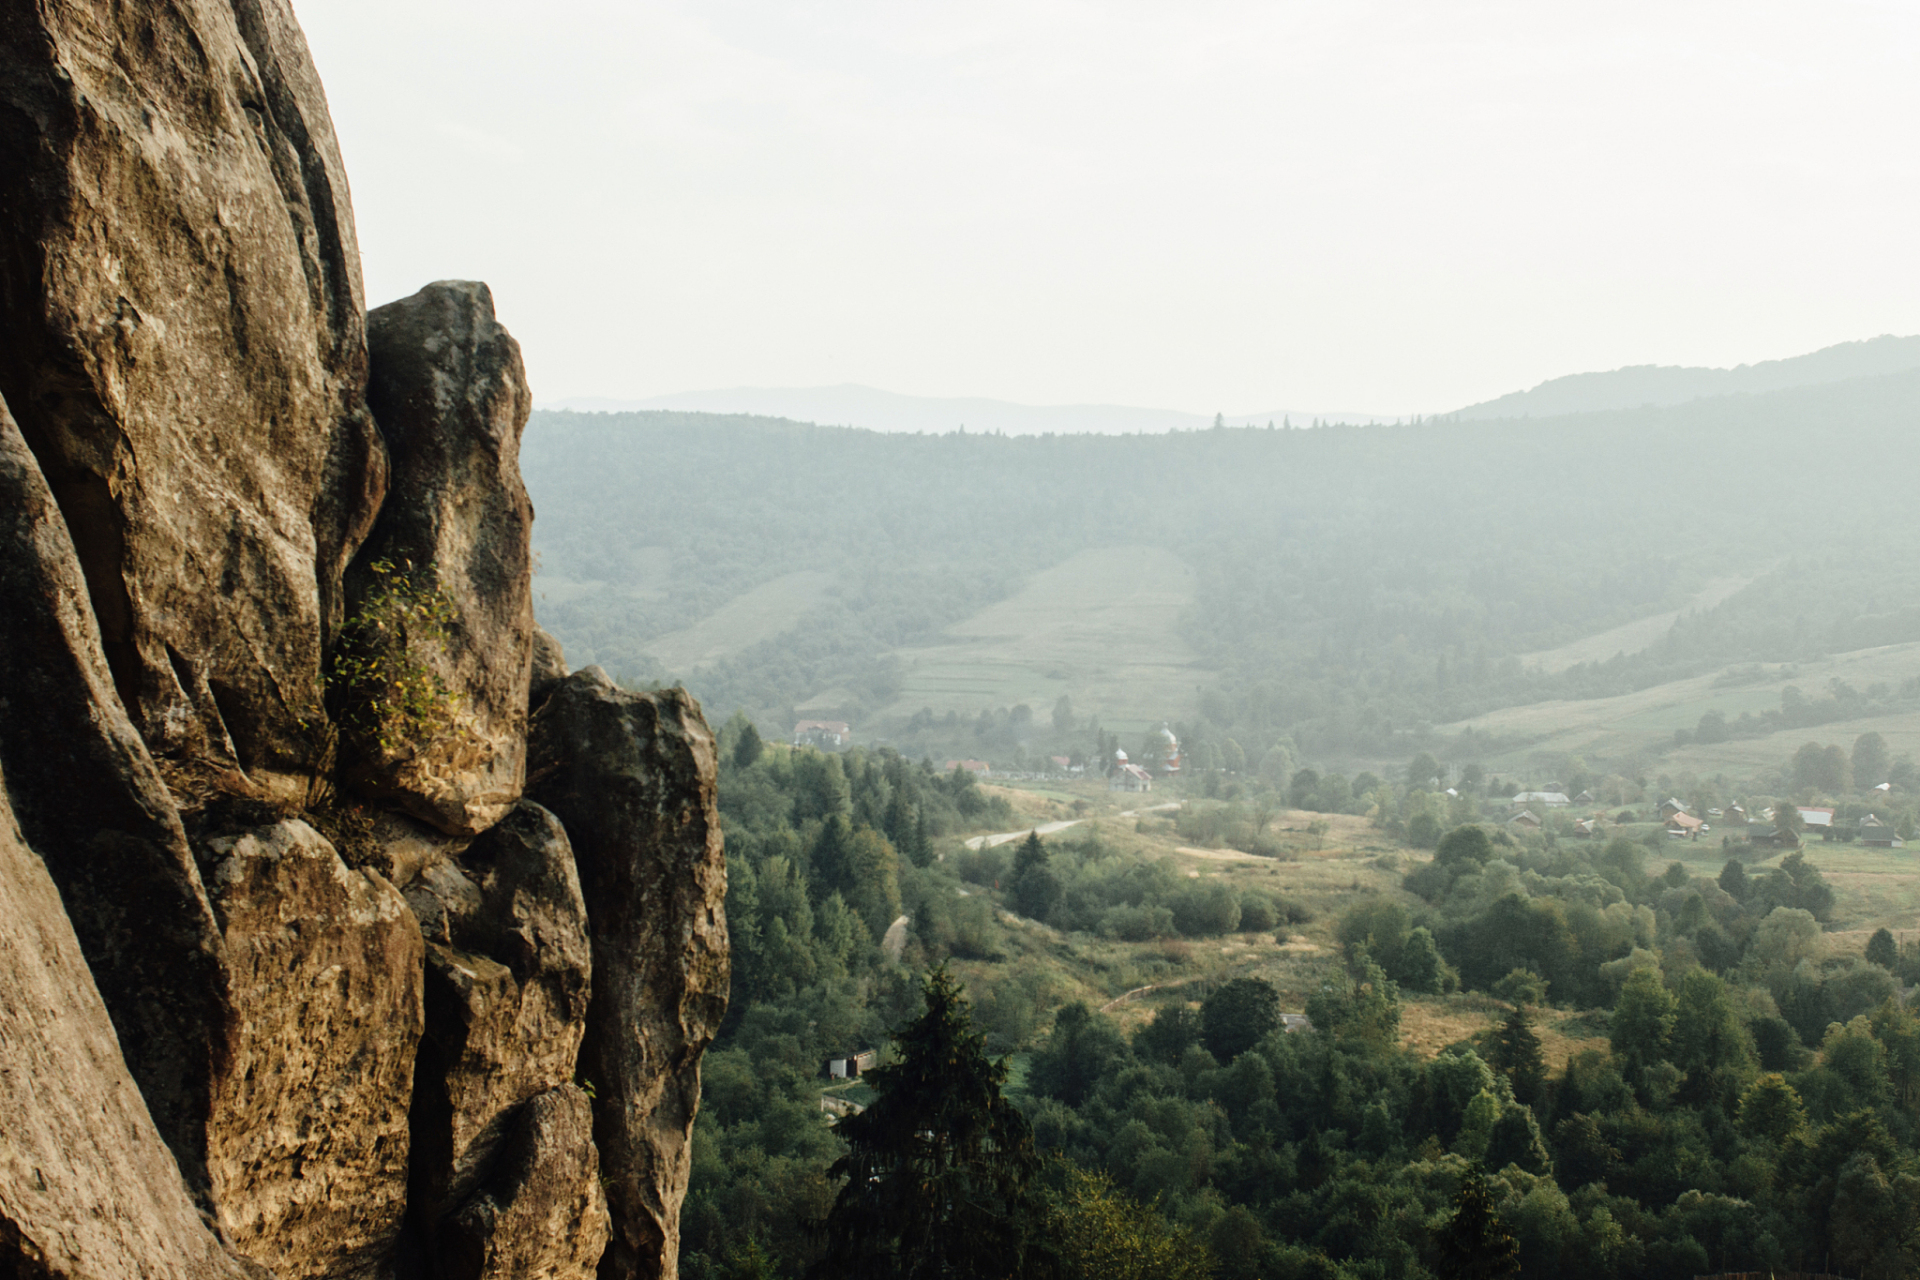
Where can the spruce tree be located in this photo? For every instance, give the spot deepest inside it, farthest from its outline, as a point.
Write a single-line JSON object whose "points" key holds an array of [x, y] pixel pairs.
{"points": [[1475, 1244], [940, 1169], [1515, 1053]]}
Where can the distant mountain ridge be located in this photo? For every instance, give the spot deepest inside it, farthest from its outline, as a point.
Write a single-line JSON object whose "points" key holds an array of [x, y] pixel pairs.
{"points": [[1638, 385], [852, 405]]}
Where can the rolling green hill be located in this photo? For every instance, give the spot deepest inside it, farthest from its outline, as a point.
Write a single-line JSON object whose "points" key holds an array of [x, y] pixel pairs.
{"points": [[1343, 587]]}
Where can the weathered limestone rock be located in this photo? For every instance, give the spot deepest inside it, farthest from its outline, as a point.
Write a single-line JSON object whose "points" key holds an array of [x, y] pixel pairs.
{"points": [[632, 777], [93, 805], [542, 1213], [508, 977], [180, 293], [450, 393], [308, 1145], [87, 1189]]}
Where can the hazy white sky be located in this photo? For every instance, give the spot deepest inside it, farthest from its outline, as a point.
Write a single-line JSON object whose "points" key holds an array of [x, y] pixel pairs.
{"points": [[1399, 205]]}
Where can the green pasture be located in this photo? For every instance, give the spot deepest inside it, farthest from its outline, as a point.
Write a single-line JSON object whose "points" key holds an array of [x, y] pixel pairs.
{"points": [[1101, 627], [761, 614], [1642, 724]]}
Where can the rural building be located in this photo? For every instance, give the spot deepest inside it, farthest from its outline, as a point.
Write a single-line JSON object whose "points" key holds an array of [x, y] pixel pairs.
{"points": [[1670, 806], [1062, 763], [1585, 797], [1877, 833], [850, 1066], [827, 735], [1685, 824], [1777, 838], [1815, 819], [1295, 1022], [978, 768], [1129, 777], [1169, 750], [1586, 828], [1544, 799], [1524, 818], [1734, 816]]}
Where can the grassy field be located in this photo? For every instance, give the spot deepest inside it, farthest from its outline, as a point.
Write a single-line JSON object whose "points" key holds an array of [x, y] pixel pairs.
{"points": [[1630, 637], [1642, 724], [1326, 870], [760, 614], [651, 569], [1100, 627]]}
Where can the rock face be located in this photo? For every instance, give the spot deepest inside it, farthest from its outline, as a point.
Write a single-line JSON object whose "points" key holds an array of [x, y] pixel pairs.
{"points": [[632, 776], [309, 1137], [508, 976], [285, 989], [86, 1186], [450, 394], [93, 805], [180, 290], [543, 1212]]}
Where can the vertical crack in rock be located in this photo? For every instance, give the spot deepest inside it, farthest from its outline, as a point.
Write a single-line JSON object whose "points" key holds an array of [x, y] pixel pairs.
{"points": [[633, 778]]}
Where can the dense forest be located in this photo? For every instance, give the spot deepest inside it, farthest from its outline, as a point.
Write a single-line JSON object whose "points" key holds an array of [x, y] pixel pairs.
{"points": [[1756, 1104], [1351, 581]]}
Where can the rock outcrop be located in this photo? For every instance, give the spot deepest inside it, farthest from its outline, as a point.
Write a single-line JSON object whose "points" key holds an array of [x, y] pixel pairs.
{"points": [[308, 1142], [86, 1186], [93, 806], [508, 977], [631, 775], [543, 1212], [288, 988], [451, 397], [185, 355]]}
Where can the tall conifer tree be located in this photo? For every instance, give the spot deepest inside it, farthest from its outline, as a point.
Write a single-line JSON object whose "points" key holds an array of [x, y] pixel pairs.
{"points": [[940, 1169]]}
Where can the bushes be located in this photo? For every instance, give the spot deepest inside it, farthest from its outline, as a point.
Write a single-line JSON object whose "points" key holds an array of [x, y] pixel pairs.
{"points": [[1205, 910]]}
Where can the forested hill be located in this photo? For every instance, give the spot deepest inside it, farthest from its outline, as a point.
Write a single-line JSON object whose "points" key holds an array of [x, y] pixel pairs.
{"points": [[1344, 580], [1647, 384]]}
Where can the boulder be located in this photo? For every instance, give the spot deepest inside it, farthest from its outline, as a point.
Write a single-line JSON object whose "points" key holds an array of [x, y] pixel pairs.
{"points": [[308, 1141], [632, 777], [542, 1213], [88, 1191], [449, 556], [185, 354], [508, 978], [93, 805]]}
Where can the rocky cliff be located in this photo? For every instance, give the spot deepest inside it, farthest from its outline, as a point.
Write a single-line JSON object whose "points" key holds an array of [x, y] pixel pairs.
{"points": [[342, 932]]}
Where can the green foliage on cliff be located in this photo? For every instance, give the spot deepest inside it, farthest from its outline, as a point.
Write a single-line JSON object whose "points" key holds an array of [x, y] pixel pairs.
{"points": [[384, 679]]}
